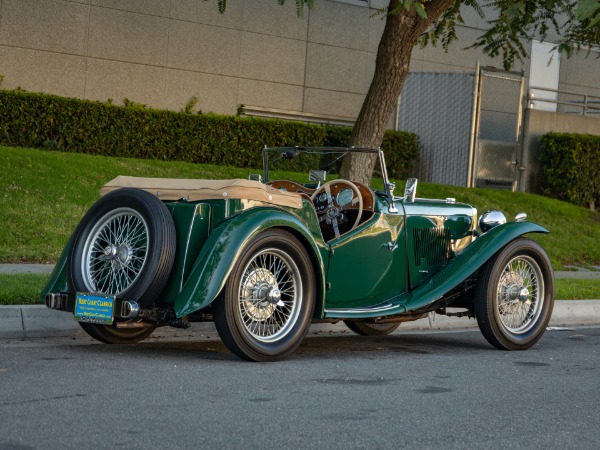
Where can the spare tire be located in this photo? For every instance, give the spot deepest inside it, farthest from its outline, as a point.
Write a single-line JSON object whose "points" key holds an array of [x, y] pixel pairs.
{"points": [[124, 246]]}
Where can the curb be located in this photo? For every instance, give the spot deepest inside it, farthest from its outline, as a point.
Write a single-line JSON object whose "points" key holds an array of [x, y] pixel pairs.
{"points": [[37, 321]]}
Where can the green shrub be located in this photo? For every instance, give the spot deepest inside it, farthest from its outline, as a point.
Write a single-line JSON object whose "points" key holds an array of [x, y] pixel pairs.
{"points": [[571, 167], [136, 131]]}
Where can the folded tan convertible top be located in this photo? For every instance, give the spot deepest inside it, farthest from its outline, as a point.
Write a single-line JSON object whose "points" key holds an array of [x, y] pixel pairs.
{"points": [[193, 190]]}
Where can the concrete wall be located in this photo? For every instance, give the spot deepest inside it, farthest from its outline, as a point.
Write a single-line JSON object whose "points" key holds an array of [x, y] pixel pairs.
{"points": [[580, 73], [163, 52], [538, 123]]}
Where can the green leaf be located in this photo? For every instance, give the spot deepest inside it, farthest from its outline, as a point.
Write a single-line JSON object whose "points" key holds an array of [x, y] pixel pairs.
{"points": [[420, 9], [587, 8]]}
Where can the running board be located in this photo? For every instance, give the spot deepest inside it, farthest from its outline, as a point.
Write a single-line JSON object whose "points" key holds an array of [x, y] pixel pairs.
{"points": [[382, 309]]}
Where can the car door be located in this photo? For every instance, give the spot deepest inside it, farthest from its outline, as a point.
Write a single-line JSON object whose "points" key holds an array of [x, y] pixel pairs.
{"points": [[368, 265]]}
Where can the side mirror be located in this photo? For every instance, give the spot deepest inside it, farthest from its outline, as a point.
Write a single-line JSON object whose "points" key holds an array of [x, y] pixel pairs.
{"points": [[410, 192]]}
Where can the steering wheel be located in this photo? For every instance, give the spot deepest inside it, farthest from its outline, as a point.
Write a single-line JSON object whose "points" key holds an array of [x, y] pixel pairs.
{"points": [[333, 198]]}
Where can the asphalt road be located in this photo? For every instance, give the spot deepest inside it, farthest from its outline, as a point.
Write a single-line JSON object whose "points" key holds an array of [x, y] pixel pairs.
{"points": [[414, 390]]}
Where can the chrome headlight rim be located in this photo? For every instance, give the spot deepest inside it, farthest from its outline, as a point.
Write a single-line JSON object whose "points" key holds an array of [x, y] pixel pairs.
{"points": [[491, 219]]}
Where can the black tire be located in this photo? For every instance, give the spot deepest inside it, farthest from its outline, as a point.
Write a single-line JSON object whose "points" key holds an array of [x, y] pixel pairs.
{"points": [[365, 328], [124, 246], [514, 295], [112, 335], [275, 270]]}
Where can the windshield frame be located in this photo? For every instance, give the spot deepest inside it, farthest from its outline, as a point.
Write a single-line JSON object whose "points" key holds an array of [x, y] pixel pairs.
{"points": [[388, 186]]}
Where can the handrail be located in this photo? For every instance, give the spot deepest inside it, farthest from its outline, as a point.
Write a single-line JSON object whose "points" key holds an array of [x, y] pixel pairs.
{"points": [[283, 114], [589, 104]]}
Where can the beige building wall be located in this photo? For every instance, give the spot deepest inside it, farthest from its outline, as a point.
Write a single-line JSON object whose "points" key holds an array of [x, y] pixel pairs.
{"points": [[259, 54]]}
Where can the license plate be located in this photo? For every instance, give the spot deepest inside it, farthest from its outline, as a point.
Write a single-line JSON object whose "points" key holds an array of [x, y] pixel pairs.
{"points": [[94, 308]]}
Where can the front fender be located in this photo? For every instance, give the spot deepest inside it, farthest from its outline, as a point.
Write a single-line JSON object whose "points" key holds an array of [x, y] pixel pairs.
{"points": [[468, 262], [224, 246]]}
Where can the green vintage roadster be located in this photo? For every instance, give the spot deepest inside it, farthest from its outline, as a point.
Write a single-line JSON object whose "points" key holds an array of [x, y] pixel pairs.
{"points": [[265, 257]]}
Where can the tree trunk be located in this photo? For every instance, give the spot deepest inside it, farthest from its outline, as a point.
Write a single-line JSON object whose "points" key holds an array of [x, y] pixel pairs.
{"points": [[400, 35]]}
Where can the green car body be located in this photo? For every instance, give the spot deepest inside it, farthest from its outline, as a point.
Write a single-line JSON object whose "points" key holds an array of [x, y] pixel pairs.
{"points": [[410, 257]]}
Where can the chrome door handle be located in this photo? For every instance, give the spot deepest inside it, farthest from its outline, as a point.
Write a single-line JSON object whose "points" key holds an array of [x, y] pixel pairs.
{"points": [[390, 246]]}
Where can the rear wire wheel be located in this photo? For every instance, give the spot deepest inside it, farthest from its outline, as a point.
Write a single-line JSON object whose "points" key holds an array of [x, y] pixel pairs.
{"points": [[514, 295], [266, 306]]}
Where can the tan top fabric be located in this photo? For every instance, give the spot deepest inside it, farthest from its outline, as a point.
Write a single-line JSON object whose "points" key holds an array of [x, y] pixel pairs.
{"points": [[193, 190]]}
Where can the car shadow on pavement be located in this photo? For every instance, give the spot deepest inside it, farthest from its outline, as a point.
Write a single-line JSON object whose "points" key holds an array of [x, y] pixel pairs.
{"points": [[313, 347]]}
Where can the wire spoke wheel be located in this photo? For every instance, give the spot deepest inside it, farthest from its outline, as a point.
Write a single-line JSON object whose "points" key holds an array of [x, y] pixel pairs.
{"points": [[266, 305], [124, 246], [514, 295], [270, 295], [520, 294], [115, 252], [366, 328]]}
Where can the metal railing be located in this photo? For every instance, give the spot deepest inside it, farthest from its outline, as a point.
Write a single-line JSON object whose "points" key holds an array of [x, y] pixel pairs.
{"points": [[273, 113], [584, 104]]}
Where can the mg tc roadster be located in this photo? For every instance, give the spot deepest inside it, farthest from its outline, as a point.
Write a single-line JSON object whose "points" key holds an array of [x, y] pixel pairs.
{"points": [[265, 257]]}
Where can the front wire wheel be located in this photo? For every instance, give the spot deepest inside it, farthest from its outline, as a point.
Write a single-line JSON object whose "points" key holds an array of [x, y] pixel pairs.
{"points": [[514, 296], [266, 306], [520, 294]]}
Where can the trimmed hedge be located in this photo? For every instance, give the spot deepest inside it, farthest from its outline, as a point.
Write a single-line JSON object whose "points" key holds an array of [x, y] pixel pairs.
{"points": [[73, 125], [571, 167]]}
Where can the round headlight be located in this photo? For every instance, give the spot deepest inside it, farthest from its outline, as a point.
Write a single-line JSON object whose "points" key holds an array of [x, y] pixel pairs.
{"points": [[491, 219]]}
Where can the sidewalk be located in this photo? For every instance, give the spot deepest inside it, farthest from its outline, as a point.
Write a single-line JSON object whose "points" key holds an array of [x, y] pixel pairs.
{"points": [[37, 321], [13, 269]]}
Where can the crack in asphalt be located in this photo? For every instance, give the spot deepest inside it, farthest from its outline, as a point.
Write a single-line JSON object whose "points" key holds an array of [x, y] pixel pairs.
{"points": [[37, 400]]}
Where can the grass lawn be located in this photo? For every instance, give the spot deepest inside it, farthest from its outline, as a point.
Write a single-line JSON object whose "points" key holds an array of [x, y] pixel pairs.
{"points": [[21, 289], [43, 195], [24, 289]]}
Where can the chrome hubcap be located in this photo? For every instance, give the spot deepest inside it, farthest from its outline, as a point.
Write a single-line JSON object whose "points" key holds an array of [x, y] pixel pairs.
{"points": [[270, 295], [119, 255], [520, 294], [115, 252]]}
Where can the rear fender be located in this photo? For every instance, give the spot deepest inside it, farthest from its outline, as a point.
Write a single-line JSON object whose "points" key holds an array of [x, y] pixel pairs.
{"points": [[467, 262], [227, 241], [58, 279]]}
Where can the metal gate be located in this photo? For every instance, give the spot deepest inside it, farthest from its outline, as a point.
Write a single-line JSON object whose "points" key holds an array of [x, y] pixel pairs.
{"points": [[468, 125], [498, 121]]}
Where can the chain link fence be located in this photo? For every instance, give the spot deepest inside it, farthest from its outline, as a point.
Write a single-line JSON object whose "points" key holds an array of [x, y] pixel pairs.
{"points": [[468, 125], [438, 107]]}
